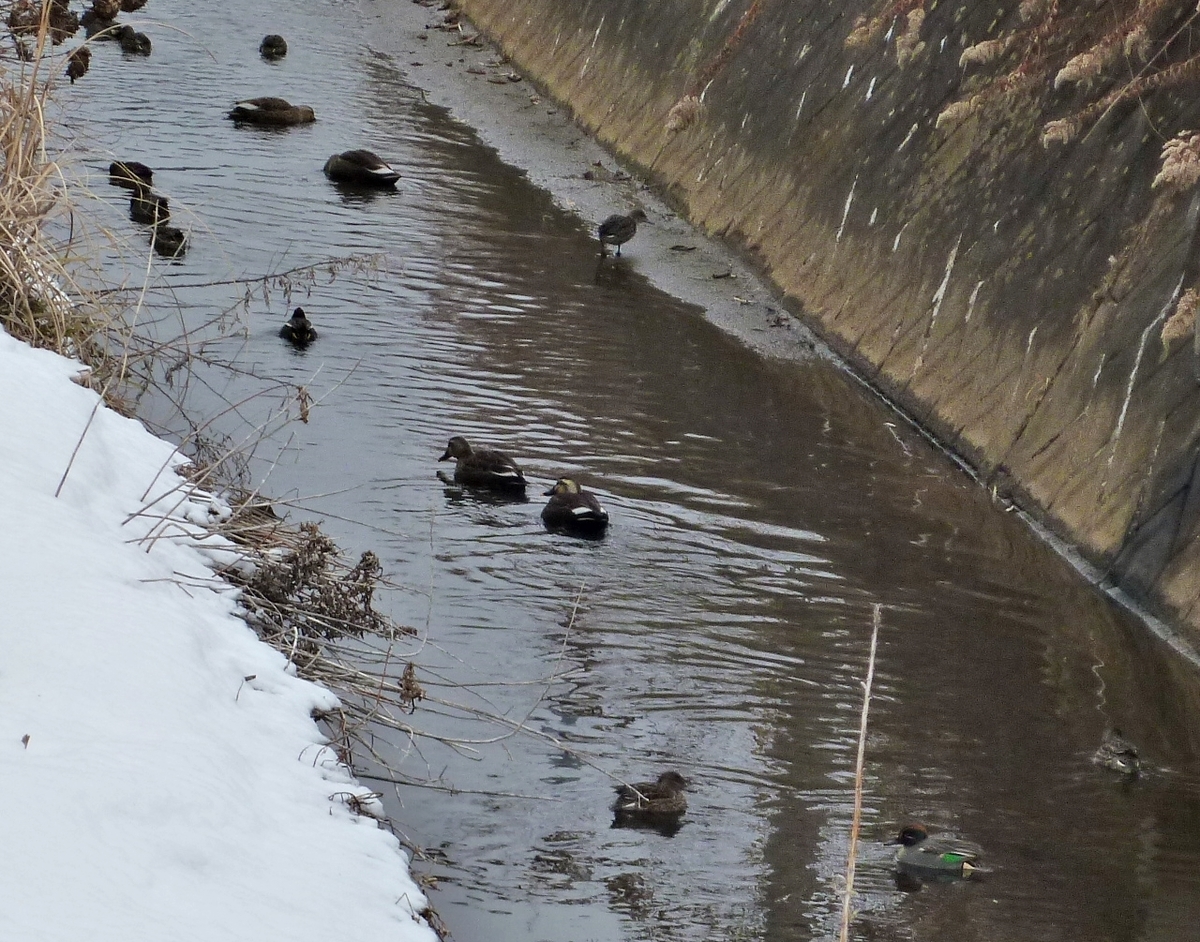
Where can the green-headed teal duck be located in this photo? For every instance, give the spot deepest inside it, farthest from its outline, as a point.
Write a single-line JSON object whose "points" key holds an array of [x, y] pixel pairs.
{"points": [[574, 510], [298, 331], [273, 46], [1118, 754], [277, 112], [617, 230], [483, 467], [130, 174], [362, 167], [935, 855], [662, 798]]}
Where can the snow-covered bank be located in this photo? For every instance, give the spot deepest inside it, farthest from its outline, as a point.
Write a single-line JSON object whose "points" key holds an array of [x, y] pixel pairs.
{"points": [[161, 774]]}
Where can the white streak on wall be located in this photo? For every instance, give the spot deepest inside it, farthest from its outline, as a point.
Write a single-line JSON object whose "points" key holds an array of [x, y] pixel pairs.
{"points": [[846, 210], [1137, 363], [971, 301]]}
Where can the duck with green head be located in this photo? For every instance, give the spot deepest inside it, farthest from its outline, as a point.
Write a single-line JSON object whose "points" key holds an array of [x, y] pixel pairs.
{"points": [[571, 509], [943, 856]]}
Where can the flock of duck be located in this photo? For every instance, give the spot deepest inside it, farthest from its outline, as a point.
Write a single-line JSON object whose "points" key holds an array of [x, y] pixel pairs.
{"points": [[657, 804]]}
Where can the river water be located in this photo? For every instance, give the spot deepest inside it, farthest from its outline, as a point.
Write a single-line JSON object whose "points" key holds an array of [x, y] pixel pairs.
{"points": [[760, 508]]}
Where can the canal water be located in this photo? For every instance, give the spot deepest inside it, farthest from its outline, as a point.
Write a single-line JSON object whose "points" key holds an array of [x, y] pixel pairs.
{"points": [[760, 507]]}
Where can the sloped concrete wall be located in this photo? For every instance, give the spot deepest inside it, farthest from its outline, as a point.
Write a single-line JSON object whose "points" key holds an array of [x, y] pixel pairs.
{"points": [[1010, 295]]}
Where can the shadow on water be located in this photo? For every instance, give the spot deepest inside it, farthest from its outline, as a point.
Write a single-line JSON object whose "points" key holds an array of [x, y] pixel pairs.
{"points": [[758, 509]]}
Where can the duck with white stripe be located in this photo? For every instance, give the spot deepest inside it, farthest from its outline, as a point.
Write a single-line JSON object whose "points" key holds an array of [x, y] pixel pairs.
{"points": [[362, 167], [571, 509], [483, 467]]}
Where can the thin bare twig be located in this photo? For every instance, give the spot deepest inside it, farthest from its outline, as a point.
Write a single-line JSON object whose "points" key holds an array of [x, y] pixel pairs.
{"points": [[852, 854]]}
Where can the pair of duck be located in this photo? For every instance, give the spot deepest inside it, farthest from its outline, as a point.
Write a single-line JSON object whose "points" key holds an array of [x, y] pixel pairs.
{"points": [[359, 166], [570, 509]]}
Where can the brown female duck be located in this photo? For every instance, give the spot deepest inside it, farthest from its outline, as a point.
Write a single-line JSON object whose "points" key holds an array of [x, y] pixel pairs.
{"points": [[663, 798], [483, 467], [276, 112], [617, 230]]}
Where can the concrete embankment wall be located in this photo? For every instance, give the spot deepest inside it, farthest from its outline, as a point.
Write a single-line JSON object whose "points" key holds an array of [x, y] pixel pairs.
{"points": [[1012, 296]]}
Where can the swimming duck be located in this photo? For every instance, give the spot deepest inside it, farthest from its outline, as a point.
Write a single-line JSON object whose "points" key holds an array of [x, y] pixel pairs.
{"points": [[273, 46], [937, 855], [272, 111], [573, 509], [360, 166], [132, 41], [148, 207], [1118, 754], [168, 240], [78, 62], [298, 330], [617, 230], [131, 174], [483, 467], [661, 798]]}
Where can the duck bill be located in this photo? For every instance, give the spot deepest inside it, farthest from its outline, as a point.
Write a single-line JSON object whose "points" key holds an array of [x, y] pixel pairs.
{"points": [[446, 456], [549, 493]]}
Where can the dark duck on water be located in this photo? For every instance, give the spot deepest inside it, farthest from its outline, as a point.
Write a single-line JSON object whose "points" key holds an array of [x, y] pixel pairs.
{"points": [[483, 467], [274, 112], [573, 510], [298, 331], [362, 167], [657, 805]]}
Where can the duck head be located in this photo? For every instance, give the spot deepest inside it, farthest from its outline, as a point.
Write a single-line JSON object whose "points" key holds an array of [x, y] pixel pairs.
{"points": [[564, 486], [457, 447], [672, 781], [910, 835]]}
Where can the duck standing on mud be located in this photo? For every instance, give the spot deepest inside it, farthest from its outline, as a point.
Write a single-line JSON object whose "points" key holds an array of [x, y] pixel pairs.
{"points": [[617, 230]]}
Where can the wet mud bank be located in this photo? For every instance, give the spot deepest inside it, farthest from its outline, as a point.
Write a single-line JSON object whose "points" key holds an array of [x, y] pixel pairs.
{"points": [[960, 200]]}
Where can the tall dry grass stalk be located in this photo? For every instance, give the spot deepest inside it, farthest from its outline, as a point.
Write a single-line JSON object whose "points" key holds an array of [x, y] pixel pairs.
{"points": [[856, 821], [34, 282]]}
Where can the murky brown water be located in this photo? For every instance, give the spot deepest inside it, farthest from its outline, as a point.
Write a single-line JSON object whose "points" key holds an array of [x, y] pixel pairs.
{"points": [[759, 510]]}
